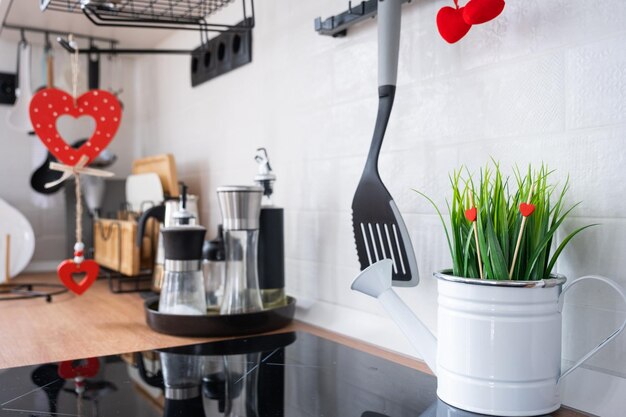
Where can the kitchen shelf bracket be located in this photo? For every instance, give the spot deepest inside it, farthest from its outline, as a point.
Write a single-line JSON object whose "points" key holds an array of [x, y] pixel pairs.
{"points": [[337, 25]]}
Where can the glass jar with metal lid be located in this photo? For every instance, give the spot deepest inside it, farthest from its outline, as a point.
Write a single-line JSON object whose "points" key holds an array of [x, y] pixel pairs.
{"points": [[182, 291], [241, 207]]}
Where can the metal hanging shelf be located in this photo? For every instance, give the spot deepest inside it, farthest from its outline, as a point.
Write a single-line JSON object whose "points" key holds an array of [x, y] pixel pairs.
{"points": [[142, 14], [154, 14]]}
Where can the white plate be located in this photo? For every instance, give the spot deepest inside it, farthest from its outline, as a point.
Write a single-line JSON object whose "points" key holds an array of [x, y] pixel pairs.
{"points": [[143, 191], [22, 241]]}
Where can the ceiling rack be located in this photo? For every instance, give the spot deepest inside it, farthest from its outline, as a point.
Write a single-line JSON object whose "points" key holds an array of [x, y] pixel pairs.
{"points": [[143, 14], [155, 14], [337, 25]]}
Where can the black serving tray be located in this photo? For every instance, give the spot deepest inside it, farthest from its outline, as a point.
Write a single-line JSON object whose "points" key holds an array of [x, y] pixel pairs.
{"points": [[219, 325]]}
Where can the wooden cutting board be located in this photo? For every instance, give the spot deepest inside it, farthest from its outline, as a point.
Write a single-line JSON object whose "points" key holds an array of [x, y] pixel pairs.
{"points": [[165, 166]]}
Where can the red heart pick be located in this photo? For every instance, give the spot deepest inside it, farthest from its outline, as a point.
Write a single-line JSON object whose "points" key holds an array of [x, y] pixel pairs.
{"points": [[481, 11], [451, 25], [89, 369], [67, 268], [49, 104], [526, 209], [470, 214]]}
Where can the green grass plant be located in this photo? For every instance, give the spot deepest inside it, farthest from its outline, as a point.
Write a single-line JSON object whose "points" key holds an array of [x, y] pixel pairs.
{"points": [[499, 221]]}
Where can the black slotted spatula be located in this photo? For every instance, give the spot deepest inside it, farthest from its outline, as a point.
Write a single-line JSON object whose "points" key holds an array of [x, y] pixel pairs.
{"points": [[379, 231]]}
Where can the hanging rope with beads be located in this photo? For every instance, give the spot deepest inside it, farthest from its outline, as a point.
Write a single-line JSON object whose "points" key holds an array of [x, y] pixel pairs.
{"points": [[45, 109]]}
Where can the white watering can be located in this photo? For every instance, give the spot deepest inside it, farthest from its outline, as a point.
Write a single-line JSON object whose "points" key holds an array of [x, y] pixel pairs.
{"points": [[499, 348]]}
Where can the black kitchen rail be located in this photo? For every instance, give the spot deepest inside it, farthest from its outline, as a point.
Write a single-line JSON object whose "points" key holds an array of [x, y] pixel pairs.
{"points": [[47, 32], [337, 25], [112, 50]]}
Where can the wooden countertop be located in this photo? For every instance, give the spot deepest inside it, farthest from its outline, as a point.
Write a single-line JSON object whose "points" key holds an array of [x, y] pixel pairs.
{"points": [[100, 323]]}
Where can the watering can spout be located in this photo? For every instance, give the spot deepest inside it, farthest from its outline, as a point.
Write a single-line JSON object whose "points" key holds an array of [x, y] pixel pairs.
{"points": [[375, 281]]}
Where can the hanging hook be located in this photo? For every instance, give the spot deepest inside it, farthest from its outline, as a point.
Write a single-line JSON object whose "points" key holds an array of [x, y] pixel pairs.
{"points": [[204, 33], [48, 44], [93, 55], [201, 38], [112, 47], [66, 45], [22, 36]]}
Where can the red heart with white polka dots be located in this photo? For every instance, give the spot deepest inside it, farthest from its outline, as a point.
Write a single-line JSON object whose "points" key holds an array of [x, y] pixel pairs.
{"points": [[50, 104]]}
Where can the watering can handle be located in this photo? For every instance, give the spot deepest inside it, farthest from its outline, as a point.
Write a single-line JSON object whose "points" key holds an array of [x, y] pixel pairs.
{"points": [[613, 335]]}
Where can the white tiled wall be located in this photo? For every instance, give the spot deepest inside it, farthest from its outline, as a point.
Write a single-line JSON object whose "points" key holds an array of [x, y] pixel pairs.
{"points": [[20, 157], [545, 82], [21, 154]]}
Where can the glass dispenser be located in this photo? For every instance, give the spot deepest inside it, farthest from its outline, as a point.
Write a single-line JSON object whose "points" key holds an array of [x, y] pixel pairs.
{"points": [[214, 269], [271, 238], [240, 206], [183, 284]]}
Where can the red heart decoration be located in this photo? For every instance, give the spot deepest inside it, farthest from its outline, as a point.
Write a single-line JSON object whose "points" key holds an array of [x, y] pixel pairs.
{"points": [[526, 209], [49, 104], [470, 214], [67, 370], [67, 268], [481, 11], [451, 25]]}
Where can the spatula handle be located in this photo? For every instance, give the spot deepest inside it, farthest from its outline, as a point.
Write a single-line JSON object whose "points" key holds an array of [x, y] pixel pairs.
{"points": [[388, 48], [388, 41], [386, 95]]}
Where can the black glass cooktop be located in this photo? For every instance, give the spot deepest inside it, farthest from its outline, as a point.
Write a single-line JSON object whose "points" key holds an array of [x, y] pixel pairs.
{"points": [[291, 374]]}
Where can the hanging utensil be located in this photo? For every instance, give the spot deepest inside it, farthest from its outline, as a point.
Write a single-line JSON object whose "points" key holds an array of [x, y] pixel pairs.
{"points": [[19, 118], [38, 150], [47, 64], [379, 231], [115, 75], [49, 55], [93, 69]]}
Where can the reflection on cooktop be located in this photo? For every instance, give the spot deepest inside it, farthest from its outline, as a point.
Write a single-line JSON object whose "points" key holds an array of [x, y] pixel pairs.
{"points": [[291, 374]]}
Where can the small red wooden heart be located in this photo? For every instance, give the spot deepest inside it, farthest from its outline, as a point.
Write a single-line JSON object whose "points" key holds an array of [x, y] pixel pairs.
{"points": [[88, 369], [470, 214], [49, 104], [451, 25], [68, 268], [481, 11], [526, 209]]}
